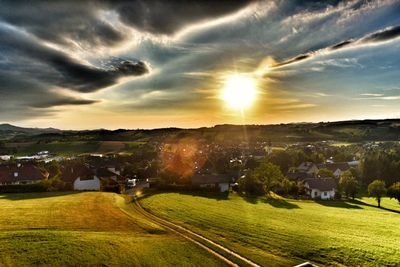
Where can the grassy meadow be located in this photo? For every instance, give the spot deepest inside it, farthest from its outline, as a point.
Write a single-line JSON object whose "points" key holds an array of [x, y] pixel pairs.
{"points": [[87, 229], [386, 203], [287, 232]]}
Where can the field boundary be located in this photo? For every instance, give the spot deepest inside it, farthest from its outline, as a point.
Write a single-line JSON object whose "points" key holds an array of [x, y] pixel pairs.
{"points": [[225, 254]]}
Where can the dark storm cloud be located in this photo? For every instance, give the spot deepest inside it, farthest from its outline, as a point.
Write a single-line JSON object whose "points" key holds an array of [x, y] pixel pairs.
{"points": [[341, 45], [62, 101], [31, 93], [63, 22], [80, 22], [65, 71], [32, 74], [384, 35], [168, 17]]}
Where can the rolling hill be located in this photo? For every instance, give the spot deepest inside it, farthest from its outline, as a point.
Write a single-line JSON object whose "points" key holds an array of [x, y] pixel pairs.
{"points": [[87, 229]]}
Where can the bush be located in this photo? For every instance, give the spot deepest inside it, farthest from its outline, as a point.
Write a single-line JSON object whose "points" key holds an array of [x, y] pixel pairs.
{"points": [[23, 188], [394, 191]]}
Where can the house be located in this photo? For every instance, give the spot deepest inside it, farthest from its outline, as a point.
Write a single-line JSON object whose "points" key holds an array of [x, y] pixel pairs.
{"points": [[107, 174], [212, 181], [298, 176], [323, 188], [338, 168], [80, 178], [5, 157], [21, 173], [308, 167]]}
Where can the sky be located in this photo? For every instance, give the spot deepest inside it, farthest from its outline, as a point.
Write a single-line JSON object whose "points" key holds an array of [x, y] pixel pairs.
{"points": [[152, 64]]}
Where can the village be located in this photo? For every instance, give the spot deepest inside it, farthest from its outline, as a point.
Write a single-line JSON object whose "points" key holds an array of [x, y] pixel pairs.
{"points": [[321, 170]]}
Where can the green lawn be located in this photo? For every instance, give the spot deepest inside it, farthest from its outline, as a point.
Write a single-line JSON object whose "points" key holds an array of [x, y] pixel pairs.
{"points": [[87, 229], [287, 232], [386, 202]]}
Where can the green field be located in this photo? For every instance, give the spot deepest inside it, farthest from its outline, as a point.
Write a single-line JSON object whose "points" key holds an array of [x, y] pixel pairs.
{"points": [[287, 232], [72, 148], [87, 229], [386, 202]]}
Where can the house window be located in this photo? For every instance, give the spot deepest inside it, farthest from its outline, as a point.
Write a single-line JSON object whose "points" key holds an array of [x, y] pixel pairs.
{"points": [[315, 193], [325, 193]]}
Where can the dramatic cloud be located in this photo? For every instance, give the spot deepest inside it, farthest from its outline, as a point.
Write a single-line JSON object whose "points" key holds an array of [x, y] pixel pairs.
{"points": [[384, 35], [168, 17], [31, 72], [70, 73], [61, 58], [75, 23]]}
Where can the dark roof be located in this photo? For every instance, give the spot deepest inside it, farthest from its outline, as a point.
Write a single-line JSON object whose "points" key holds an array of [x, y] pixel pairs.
{"points": [[210, 178], [25, 172], [306, 166], [322, 184], [72, 172], [298, 175], [343, 166], [105, 173]]}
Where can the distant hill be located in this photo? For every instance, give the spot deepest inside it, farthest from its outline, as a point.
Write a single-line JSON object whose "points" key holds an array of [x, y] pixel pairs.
{"points": [[9, 127], [8, 131], [351, 131]]}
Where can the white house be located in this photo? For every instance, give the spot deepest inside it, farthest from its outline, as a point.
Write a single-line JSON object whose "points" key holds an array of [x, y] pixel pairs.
{"points": [[323, 188], [337, 168], [221, 182], [5, 157], [82, 184], [80, 177]]}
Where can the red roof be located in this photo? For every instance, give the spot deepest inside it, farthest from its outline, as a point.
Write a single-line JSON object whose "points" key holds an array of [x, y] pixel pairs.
{"points": [[17, 172], [71, 173]]}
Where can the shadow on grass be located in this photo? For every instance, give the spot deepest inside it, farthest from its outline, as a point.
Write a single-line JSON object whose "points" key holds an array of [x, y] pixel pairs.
{"points": [[25, 196], [338, 204], [276, 203], [358, 202], [280, 203], [211, 195]]}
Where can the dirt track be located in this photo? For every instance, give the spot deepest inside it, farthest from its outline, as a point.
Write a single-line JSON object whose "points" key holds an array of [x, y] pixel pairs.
{"points": [[226, 255]]}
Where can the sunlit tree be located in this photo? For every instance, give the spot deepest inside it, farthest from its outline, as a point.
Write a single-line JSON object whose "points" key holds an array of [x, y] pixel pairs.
{"points": [[377, 189], [394, 191]]}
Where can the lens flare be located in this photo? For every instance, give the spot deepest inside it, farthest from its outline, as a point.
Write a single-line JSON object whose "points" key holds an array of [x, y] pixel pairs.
{"points": [[239, 91]]}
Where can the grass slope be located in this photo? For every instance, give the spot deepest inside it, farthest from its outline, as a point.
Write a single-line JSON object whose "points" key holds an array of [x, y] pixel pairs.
{"points": [[86, 229], [283, 232]]}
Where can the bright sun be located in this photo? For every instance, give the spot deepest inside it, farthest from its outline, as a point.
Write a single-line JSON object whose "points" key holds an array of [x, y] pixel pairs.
{"points": [[239, 91]]}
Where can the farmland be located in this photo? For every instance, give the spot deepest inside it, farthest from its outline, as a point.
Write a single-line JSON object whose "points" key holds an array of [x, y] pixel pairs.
{"points": [[71, 148], [282, 232], [86, 229]]}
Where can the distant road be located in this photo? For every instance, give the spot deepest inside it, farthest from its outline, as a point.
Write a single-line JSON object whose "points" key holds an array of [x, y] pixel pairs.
{"points": [[228, 256]]}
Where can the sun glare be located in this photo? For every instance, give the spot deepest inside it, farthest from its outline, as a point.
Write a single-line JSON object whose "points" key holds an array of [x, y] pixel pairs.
{"points": [[239, 91]]}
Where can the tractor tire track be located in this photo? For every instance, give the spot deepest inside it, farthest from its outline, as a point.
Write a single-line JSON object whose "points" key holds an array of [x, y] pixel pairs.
{"points": [[223, 253]]}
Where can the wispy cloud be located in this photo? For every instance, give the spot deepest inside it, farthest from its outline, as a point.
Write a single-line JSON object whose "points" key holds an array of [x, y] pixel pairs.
{"points": [[371, 94], [384, 35]]}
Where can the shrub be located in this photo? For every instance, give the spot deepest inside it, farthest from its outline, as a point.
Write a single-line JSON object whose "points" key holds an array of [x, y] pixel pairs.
{"points": [[23, 188]]}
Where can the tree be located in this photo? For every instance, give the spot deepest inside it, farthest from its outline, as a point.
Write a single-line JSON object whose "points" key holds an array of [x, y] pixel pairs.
{"points": [[348, 184], [377, 189], [324, 173], [262, 179], [394, 191], [251, 184]]}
